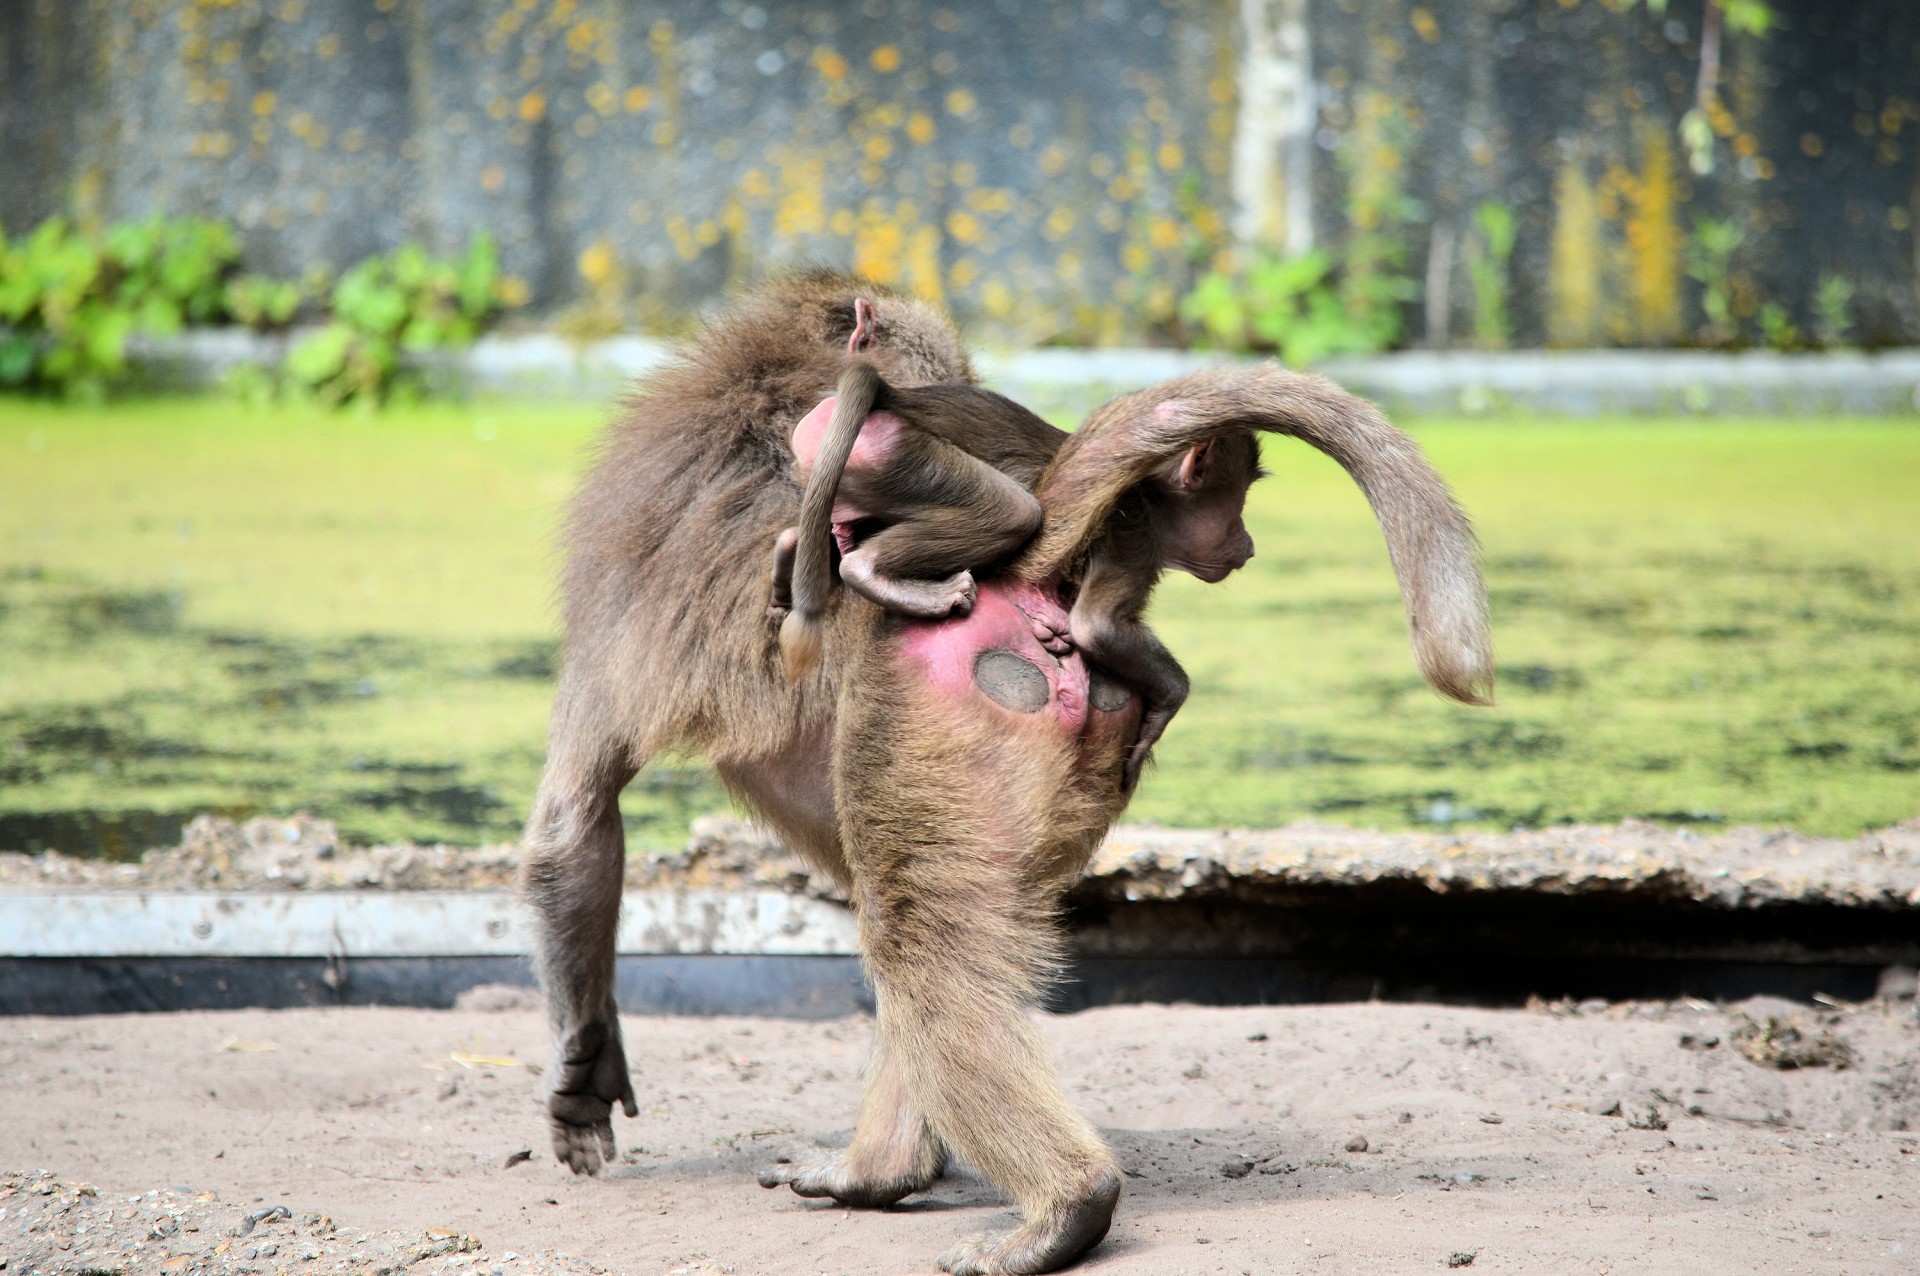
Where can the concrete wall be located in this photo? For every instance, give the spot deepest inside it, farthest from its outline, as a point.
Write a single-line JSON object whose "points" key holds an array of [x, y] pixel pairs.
{"points": [[1054, 169]]}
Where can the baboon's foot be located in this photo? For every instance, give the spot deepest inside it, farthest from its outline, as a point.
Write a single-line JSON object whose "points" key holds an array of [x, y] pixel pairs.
{"points": [[909, 596], [933, 599], [1046, 1243], [958, 592], [839, 1176], [591, 1078]]}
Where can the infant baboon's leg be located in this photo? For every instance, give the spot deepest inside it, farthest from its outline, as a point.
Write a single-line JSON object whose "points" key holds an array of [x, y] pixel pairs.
{"points": [[574, 857], [785, 546], [961, 514], [928, 599], [894, 1152], [959, 932], [1118, 642]]}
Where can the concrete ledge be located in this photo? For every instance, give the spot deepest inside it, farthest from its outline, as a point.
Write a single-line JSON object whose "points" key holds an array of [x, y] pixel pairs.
{"points": [[1573, 383], [339, 925], [792, 987], [650, 984], [1738, 870], [277, 912], [1741, 869]]}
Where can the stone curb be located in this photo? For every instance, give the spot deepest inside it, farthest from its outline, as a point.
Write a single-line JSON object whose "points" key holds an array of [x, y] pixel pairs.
{"points": [[277, 912], [1740, 869], [544, 366]]}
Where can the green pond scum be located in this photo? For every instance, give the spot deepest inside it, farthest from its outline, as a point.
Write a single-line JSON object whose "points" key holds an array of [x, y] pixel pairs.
{"points": [[204, 607]]}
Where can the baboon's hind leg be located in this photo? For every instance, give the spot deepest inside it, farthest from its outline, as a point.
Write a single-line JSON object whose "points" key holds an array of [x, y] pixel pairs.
{"points": [[894, 1152], [958, 935], [574, 857]]}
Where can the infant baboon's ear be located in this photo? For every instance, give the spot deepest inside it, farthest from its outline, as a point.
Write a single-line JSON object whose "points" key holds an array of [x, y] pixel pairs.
{"points": [[1194, 466], [864, 326]]}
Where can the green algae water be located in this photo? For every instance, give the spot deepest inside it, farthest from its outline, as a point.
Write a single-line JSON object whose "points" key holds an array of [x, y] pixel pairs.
{"points": [[204, 607]]}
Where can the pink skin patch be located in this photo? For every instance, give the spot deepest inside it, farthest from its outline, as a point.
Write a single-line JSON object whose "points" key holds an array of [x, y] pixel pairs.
{"points": [[1023, 619], [1007, 615], [878, 435]]}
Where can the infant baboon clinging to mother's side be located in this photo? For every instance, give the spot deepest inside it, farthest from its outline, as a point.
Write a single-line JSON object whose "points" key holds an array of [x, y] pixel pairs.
{"points": [[955, 774], [920, 488]]}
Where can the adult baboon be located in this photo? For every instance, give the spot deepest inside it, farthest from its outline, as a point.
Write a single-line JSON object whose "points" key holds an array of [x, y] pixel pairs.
{"points": [[956, 774]]}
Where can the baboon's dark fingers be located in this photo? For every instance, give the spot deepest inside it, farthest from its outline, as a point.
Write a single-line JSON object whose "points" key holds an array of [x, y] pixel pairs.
{"points": [[580, 1142], [784, 548], [591, 1078]]}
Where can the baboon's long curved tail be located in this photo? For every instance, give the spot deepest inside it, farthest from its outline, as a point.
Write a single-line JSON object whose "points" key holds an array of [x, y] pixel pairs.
{"points": [[801, 632], [1430, 540]]}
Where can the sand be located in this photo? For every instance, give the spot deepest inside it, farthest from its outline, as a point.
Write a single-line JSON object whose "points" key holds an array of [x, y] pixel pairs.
{"points": [[1630, 1138]]}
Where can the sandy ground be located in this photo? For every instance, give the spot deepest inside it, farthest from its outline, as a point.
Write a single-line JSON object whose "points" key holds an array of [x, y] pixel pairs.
{"points": [[387, 1135]]}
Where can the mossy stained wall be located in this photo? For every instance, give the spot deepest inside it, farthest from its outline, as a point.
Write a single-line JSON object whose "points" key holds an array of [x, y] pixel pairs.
{"points": [[1053, 169]]}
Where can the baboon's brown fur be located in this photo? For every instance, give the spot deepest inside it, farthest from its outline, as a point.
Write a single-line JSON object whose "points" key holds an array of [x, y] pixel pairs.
{"points": [[957, 824]]}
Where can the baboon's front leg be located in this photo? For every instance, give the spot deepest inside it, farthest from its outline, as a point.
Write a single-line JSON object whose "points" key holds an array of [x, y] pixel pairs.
{"points": [[574, 857], [894, 1152]]}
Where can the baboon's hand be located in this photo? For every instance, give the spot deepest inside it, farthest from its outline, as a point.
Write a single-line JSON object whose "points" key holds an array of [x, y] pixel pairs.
{"points": [[592, 1075]]}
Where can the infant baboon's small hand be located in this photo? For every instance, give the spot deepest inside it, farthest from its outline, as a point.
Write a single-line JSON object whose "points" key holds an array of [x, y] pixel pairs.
{"points": [[1051, 636]]}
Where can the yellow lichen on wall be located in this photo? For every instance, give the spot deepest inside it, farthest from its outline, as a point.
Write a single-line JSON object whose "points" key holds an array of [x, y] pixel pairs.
{"points": [[601, 119], [895, 247], [1654, 241], [1573, 279], [923, 264], [666, 130], [801, 209], [879, 245]]}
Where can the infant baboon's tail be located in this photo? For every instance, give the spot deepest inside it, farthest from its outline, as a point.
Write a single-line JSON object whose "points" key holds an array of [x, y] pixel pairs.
{"points": [[801, 633]]}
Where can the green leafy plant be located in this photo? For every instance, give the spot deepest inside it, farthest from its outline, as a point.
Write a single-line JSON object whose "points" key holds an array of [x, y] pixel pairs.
{"points": [[1374, 284], [1777, 328], [401, 301], [1744, 17], [1709, 263], [1312, 305], [1833, 310], [171, 269], [70, 299], [269, 305], [1487, 272], [1285, 304], [55, 328]]}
